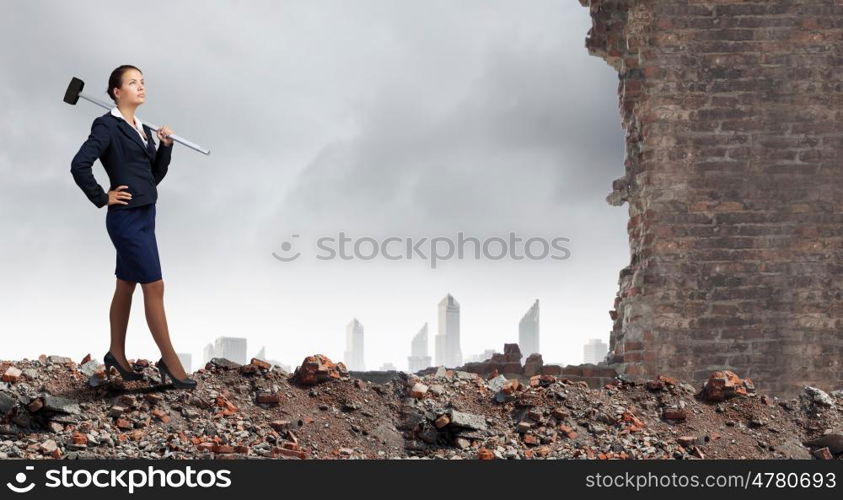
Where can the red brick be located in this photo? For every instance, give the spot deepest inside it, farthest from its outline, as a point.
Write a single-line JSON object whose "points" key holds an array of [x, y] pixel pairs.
{"points": [[442, 421], [268, 398], [11, 375], [418, 390], [568, 431], [160, 415], [153, 398], [122, 423], [260, 363], [300, 454], [510, 386], [677, 414]]}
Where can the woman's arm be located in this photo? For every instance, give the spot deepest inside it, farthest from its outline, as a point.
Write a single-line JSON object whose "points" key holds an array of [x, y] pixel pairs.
{"points": [[162, 161], [80, 166]]}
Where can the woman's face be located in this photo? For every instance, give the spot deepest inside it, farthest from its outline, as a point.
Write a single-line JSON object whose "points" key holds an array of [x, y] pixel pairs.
{"points": [[132, 92]]}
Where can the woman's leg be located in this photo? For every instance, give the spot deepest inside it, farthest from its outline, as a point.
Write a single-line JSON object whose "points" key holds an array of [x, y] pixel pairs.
{"points": [[153, 301], [121, 304]]}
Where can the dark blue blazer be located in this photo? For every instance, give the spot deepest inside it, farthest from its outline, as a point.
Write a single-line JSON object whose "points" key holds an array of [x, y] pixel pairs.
{"points": [[126, 160]]}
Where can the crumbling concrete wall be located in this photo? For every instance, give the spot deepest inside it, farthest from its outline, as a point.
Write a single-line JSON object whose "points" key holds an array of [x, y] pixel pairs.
{"points": [[733, 115]]}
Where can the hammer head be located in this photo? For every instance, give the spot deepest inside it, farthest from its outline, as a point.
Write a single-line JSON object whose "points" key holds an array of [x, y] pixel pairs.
{"points": [[71, 96]]}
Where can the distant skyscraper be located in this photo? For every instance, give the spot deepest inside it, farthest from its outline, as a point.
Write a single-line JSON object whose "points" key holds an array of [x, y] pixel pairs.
{"points": [[419, 358], [448, 350], [231, 348], [595, 351], [354, 346], [387, 367], [208, 353], [261, 355], [185, 358], [439, 349], [528, 332]]}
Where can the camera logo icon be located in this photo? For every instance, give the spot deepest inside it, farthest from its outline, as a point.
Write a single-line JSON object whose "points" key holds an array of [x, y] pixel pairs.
{"points": [[287, 246], [20, 478]]}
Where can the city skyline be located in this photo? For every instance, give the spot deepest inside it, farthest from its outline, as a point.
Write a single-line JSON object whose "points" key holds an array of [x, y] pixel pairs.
{"points": [[528, 330]]}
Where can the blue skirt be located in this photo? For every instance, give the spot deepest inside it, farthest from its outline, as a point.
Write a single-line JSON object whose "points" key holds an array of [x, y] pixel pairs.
{"points": [[132, 230]]}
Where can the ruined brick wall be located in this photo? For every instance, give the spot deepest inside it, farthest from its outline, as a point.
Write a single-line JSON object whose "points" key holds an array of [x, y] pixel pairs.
{"points": [[733, 114]]}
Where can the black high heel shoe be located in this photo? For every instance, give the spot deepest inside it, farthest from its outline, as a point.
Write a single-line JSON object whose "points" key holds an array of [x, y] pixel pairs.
{"points": [[187, 383], [127, 375]]}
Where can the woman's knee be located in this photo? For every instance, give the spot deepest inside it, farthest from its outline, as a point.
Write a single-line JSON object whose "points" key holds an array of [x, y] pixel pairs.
{"points": [[126, 286], [153, 286]]}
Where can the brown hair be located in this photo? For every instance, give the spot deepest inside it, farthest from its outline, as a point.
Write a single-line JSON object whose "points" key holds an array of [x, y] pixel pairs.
{"points": [[116, 79]]}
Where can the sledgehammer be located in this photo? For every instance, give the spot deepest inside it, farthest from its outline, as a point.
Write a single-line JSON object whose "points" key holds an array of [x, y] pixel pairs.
{"points": [[74, 92]]}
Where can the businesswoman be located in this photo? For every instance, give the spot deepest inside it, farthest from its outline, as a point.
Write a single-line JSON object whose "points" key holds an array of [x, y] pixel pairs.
{"points": [[135, 167]]}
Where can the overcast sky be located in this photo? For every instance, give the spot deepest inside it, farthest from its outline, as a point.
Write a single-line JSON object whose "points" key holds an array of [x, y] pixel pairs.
{"points": [[403, 119]]}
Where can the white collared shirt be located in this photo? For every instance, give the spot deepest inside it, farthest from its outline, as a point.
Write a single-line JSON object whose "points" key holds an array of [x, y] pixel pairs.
{"points": [[137, 126]]}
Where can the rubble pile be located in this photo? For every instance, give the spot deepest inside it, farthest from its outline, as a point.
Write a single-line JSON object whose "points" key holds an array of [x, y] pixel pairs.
{"points": [[723, 385], [318, 368], [508, 363], [55, 408]]}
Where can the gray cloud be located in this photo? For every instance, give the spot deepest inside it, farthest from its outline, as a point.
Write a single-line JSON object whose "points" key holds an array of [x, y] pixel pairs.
{"points": [[524, 139]]}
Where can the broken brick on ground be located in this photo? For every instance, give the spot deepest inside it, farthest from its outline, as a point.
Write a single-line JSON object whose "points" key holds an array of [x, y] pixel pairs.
{"points": [[50, 410]]}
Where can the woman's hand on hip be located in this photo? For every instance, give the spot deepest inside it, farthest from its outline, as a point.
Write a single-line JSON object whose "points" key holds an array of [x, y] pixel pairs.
{"points": [[117, 196], [163, 132]]}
